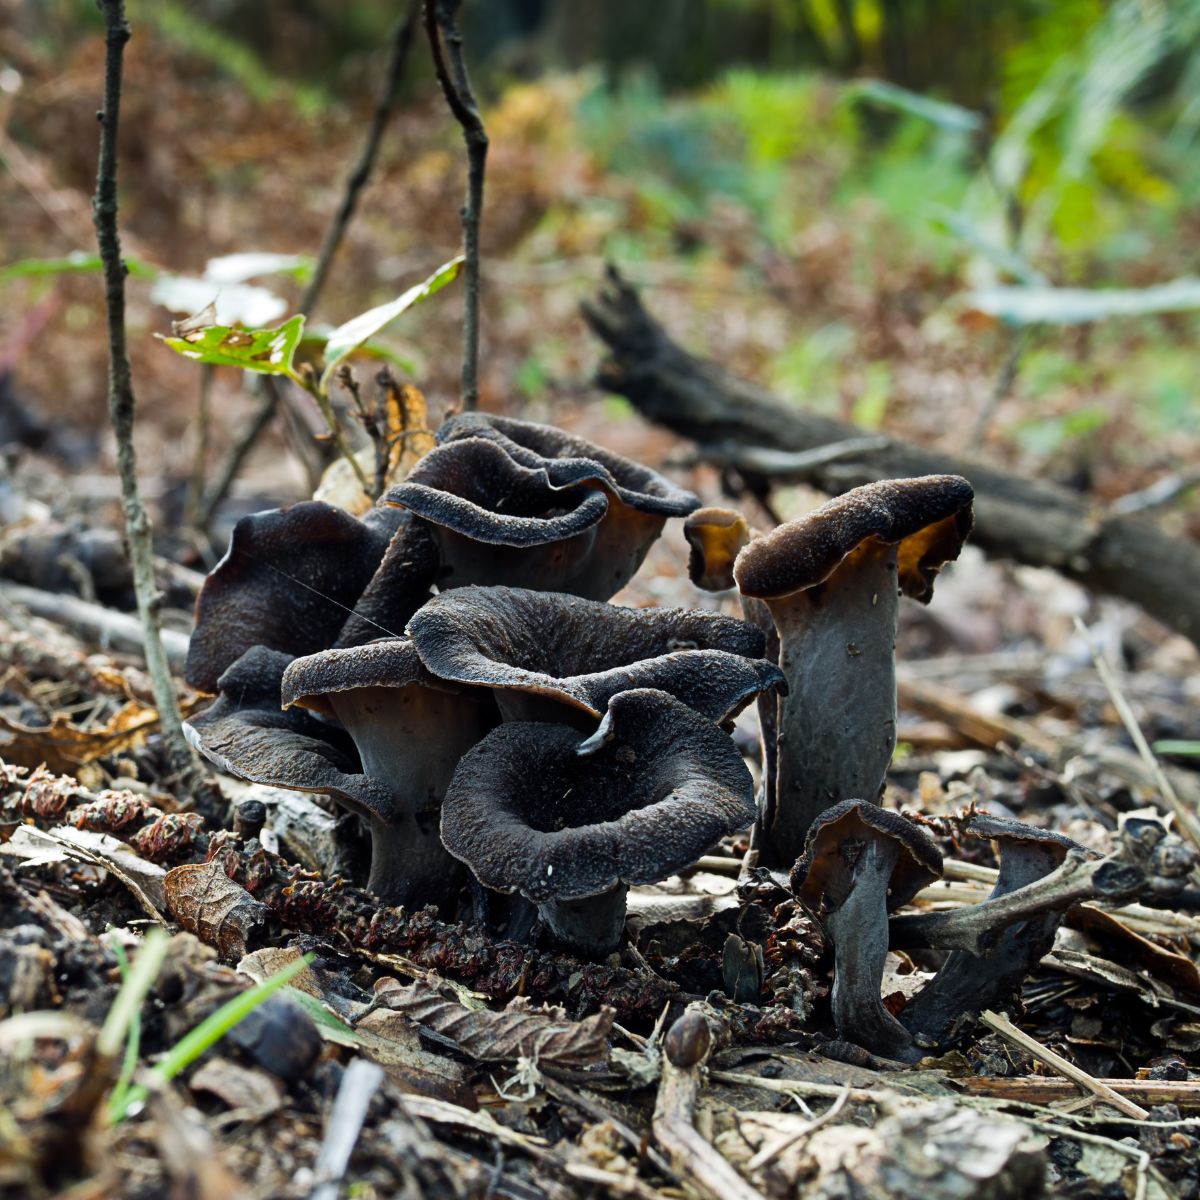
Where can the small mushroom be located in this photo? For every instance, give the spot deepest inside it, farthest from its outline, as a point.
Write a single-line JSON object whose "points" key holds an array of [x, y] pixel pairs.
{"points": [[571, 823], [510, 502], [715, 537], [410, 730], [832, 580], [288, 581], [967, 983], [859, 863], [556, 657]]}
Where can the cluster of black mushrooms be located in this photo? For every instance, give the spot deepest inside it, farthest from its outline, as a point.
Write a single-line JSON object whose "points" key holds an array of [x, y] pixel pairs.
{"points": [[448, 667]]}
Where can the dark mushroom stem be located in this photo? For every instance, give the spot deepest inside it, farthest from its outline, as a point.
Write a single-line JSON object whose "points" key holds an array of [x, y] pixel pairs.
{"points": [[410, 730], [859, 862], [832, 581], [837, 722], [968, 983]]}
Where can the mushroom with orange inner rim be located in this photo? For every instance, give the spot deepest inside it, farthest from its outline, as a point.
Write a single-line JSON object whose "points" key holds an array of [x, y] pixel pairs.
{"points": [[571, 822], [552, 512], [548, 656], [832, 580], [860, 862]]}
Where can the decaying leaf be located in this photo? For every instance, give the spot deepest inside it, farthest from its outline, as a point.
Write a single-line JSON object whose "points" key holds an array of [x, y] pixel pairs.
{"points": [[544, 1035], [206, 902], [403, 421], [39, 847], [63, 746]]}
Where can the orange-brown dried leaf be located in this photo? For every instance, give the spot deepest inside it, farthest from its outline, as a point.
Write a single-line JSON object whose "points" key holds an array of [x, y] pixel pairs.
{"points": [[63, 746], [206, 902], [545, 1035]]}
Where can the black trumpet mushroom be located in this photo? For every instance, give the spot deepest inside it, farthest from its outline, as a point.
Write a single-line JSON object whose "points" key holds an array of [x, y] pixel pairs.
{"points": [[832, 580], [570, 822], [860, 862], [555, 657]]}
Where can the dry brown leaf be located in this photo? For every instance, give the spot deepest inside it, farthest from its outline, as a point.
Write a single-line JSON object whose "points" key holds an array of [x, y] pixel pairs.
{"points": [[544, 1035], [404, 421], [206, 902], [63, 746]]}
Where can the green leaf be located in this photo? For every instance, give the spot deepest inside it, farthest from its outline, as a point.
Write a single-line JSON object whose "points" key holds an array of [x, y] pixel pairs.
{"points": [[951, 117], [268, 351], [1078, 306], [1176, 747], [77, 262], [345, 339], [335, 1029]]}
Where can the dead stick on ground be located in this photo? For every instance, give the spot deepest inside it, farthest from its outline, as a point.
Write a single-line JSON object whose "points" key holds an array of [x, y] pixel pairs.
{"points": [[686, 1047], [441, 25], [138, 528], [1189, 826], [1024, 519], [385, 105], [1007, 1030]]}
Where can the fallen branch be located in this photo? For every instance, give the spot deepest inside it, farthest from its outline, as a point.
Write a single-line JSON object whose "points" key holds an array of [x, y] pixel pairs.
{"points": [[1023, 519], [138, 528]]}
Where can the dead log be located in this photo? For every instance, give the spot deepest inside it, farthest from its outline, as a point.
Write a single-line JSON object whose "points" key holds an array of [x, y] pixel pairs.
{"points": [[741, 425]]}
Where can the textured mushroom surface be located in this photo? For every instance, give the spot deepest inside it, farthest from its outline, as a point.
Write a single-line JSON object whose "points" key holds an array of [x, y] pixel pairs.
{"points": [[929, 516], [288, 581], [565, 650], [538, 809], [632, 483], [245, 733], [715, 537], [514, 503], [860, 862], [410, 730], [832, 581], [968, 983]]}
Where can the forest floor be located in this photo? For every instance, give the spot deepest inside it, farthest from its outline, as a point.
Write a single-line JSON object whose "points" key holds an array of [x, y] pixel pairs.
{"points": [[1001, 706]]}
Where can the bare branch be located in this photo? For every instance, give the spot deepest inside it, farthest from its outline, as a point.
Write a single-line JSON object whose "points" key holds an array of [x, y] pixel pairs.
{"points": [[138, 528], [441, 26]]}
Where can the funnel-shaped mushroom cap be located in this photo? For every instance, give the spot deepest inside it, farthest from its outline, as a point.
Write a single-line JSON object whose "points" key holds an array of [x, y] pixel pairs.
{"points": [[1026, 852], [822, 874], [928, 517], [579, 653], [532, 444], [716, 537], [288, 581], [410, 730], [246, 734], [538, 809]]}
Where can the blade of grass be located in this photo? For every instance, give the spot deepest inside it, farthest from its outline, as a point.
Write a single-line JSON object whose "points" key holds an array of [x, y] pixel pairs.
{"points": [[212, 1029]]}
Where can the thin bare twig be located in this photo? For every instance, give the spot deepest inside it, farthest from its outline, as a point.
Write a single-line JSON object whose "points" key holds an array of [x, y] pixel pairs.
{"points": [[360, 173], [441, 25], [1007, 1030], [138, 528], [1189, 825]]}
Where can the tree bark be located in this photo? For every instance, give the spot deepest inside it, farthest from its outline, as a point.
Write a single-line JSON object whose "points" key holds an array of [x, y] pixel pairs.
{"points": [[1029, 521]]}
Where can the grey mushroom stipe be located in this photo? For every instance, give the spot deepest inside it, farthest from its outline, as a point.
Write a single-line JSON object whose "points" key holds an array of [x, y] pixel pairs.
{"points": [[859, 863], [967, 984], [571, 822], [288, 581], [530, 507], [410, 730], [832, 580], [556, 657], [245, 733]]}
